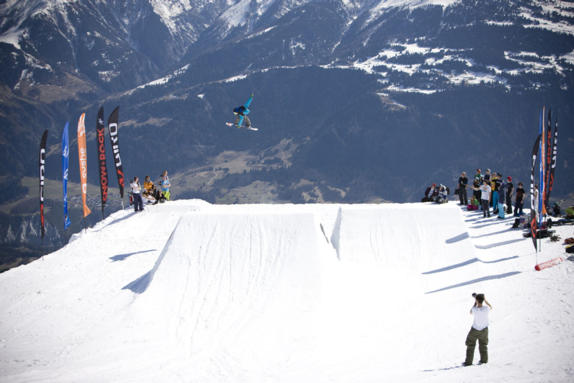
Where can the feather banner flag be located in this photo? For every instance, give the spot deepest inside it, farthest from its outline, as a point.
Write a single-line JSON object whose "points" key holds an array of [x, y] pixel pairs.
{"points": [[552, 162], [65, 168], [533, 199], [83, 158], [547, 159], [101, 135], [42, 176], [541, 152], [113, 130]]}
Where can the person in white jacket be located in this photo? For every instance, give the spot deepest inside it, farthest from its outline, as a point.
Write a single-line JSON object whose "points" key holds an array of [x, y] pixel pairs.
{"points": [[478, 331], [137, 194], [485, 190]]}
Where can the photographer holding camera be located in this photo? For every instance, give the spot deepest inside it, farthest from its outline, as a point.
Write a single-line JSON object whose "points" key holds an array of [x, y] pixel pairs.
{"points": [[478, 331]]}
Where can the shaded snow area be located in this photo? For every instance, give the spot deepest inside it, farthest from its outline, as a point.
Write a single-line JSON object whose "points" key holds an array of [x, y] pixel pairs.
{"points": [[191, 292]]}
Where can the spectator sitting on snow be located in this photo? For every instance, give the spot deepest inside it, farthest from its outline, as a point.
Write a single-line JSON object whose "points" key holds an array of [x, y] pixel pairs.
{"points": [[149, 189], [442, 194], [151, 193], [429, 193], [148, 185], [474, 204]]}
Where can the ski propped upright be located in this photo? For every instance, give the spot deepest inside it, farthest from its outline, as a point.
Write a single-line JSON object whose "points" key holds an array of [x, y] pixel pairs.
{"points": [[241, 127]]}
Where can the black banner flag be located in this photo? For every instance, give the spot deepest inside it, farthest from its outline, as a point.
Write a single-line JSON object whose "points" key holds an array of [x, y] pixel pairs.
{"points": [[553, 162], [100, 141], [533, 199], [113, 130]]}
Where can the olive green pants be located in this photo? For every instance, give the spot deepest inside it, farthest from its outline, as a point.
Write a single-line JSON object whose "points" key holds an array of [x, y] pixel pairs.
{"points": [[471, 338]]}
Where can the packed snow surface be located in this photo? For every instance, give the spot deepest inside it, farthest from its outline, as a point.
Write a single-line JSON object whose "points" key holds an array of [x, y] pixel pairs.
{"points": [[191, 292]]}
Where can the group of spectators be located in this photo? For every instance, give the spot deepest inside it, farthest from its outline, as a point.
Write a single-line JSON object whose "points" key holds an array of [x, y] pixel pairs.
{"points": [[436, 193], [150, 192], [491, 190]]}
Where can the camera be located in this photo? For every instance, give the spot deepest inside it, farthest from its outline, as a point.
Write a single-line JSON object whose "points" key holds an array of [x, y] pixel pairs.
{"points": [[478, 297]]}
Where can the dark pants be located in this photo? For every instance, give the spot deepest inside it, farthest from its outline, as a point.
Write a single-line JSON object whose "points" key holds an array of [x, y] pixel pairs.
{"points": [[471, 338], [138, 202], [476, 194], [462, 195], [485, 207], [518, 208], [508, 203]]}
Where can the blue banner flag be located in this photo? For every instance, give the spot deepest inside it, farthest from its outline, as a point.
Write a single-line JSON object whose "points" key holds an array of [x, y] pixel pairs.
{"points": [[541, 151], [65, 161]]}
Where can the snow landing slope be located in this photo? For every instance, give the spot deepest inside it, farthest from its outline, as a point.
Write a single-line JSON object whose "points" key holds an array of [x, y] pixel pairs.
{"points": [[192, 292]]}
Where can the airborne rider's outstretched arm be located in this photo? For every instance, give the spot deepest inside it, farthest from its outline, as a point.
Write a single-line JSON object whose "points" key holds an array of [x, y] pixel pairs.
{"points": [[246, 105]]}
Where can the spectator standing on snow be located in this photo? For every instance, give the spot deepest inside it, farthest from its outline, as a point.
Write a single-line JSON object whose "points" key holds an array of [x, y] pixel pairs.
{"points": [[136, 193], [487, 175], [519, 201], [478, 176], [165, 185], [462, 183], [476, 182], [478, 331], [509, 189], [495, 183], [485, 198], [501, 194]]}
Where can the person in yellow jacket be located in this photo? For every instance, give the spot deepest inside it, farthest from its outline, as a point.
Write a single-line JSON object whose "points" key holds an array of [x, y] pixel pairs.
{"points": [[149, 192], [148, 186]]}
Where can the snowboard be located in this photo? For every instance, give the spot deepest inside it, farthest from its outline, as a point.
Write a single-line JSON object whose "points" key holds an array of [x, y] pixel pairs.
{"points": [[241, 127]]}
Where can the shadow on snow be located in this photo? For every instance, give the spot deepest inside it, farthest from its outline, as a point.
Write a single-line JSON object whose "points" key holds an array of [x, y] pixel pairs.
{"points": [[477, 280], [468, 262], [121, 257]]}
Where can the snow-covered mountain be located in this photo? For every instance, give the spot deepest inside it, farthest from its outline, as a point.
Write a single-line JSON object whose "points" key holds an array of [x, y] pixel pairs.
{"points": [[356, 100], [427, 38], [187, 291]]}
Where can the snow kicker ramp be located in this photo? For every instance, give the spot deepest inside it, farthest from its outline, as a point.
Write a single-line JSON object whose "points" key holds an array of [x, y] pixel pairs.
{"points": [[230, 289], [293, 293], [407, 235]]}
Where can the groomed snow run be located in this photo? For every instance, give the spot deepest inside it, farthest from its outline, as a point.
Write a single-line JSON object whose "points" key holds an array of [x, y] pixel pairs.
{"points": [[191, 292]]}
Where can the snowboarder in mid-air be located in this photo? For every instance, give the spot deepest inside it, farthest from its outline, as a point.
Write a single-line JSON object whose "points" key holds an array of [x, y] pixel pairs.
{"points": [[241, 113]]}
